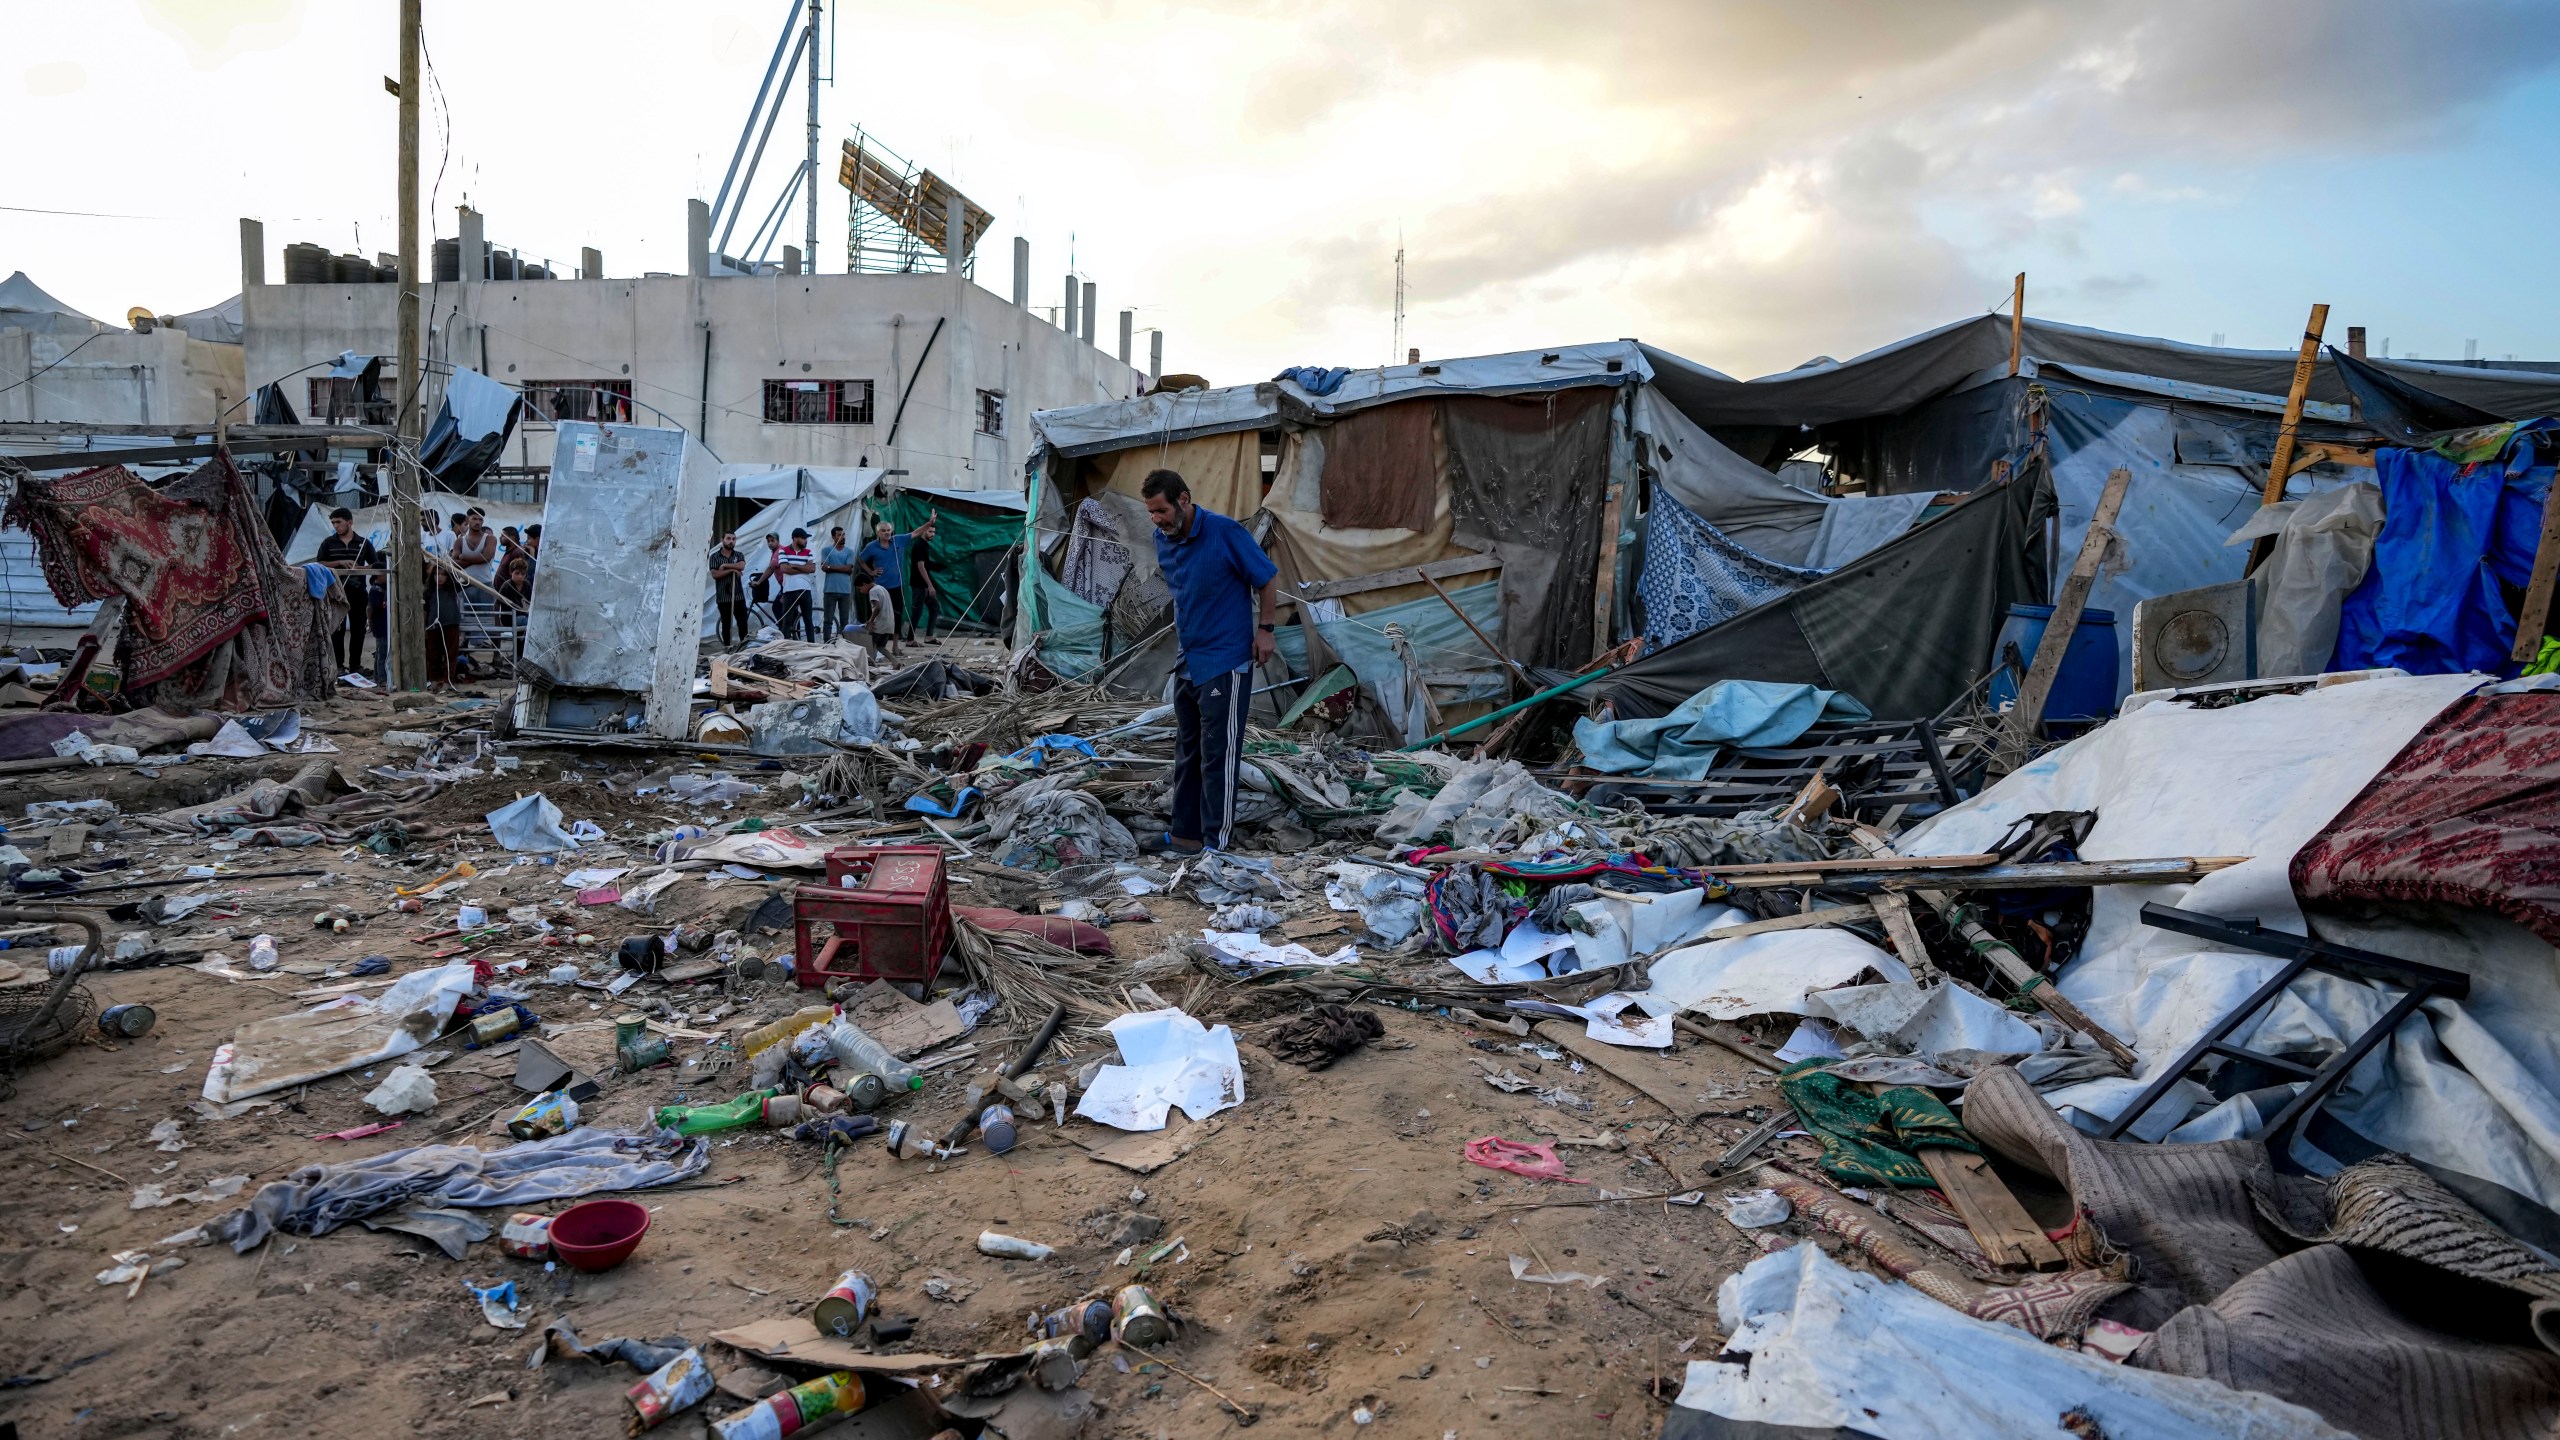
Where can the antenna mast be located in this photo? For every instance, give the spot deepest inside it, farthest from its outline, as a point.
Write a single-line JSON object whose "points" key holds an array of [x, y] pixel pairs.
{"points": [[1395, 356]]}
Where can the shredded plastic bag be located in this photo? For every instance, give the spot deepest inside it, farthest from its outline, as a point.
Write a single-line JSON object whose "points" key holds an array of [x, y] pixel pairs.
{"points": [[1538, 1162]]}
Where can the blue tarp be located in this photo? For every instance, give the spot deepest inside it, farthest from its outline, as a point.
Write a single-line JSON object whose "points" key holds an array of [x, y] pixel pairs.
{"points": [[1681, 745], [2454, 529]]}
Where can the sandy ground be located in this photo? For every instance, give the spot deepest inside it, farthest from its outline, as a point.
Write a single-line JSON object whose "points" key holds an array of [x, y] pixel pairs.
{"points": [[1342, 1255]]}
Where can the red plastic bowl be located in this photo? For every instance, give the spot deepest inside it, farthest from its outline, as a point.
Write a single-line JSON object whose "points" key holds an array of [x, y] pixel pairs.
{"points": [[599, 1234]]}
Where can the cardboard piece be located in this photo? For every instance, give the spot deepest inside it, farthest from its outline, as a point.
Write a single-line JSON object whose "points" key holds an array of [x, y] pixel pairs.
{"points": [[886, 1014], [1146, 1152], [794, 1340], [1669, 1080]]}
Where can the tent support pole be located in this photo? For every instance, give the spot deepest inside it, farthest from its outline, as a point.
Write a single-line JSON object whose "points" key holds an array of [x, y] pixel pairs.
{"points": [[2280, 465], [1478, 723]]}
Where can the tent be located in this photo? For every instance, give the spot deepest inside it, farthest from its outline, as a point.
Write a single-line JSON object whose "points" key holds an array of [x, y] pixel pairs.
{"points": [[2195, 425], [24, 305], [974, 536], [1533, 484]]}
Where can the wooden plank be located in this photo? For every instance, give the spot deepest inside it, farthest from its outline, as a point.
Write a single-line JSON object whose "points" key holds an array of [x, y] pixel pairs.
{"points": [[1810, 919], [2027, 712], [1863, 866], [1634, 1067], [2002, 1226], [1895, 912], [1405, 575], [1526, 684], [1604, 593], [2162, 870], [2017, 319], [2533, 620]]}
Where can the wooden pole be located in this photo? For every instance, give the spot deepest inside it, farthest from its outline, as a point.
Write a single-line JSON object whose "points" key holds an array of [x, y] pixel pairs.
{"points": [[1526, 684], [2017, 319], [2033, 690], [2280, 466], [408, 608], [2534, 620]]}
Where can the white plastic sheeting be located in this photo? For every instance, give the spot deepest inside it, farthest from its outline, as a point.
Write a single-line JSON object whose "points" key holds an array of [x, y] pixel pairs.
{"points": [[1768, 974], [2466, 1087], [1829, 1347], [2324, 545]]}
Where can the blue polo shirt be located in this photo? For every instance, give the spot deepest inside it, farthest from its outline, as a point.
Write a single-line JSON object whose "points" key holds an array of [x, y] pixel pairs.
{"points": [[1213, 572], [890, 560]]}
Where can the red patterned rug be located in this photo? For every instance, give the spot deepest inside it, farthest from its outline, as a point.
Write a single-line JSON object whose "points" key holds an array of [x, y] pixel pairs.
{"points": [[2468, 814], [182, 555]]}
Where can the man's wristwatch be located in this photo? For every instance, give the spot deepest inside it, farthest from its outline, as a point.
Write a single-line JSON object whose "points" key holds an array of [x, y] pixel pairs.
{"points": [[1269, 629]]}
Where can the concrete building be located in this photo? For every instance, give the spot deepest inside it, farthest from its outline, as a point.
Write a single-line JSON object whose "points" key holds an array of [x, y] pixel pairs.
{"points": [[932, 374], [58, 366]]}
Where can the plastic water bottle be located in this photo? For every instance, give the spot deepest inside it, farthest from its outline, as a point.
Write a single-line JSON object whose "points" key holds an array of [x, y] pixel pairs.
{"points": [[262, 953], [856, 1051]]}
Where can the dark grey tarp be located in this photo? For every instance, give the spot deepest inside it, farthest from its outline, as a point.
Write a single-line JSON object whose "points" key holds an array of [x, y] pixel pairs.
{"points": [[2402, 410], [1527, 475], [1906, 628], [1896, 377]]}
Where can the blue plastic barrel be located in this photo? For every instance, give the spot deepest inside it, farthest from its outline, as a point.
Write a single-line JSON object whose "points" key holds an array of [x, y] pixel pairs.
{"points": [[2085, 687]]}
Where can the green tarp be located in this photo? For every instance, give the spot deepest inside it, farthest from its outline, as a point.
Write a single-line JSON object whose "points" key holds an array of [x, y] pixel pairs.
{"points": [[959, 537]]}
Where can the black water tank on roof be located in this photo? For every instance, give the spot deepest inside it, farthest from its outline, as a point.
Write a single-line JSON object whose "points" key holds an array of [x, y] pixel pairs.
{"points": [[309, 265], [448, 262]]}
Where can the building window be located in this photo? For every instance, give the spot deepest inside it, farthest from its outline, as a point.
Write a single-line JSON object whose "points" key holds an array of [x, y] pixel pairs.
{"points": [[608, 401], [341, 397], [990, 412], [817, 402]]}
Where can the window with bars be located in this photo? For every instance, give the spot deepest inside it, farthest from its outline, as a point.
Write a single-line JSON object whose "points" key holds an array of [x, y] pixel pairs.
{"points": [[336, 397], [608, 401], [990, 412], [817, 402]]}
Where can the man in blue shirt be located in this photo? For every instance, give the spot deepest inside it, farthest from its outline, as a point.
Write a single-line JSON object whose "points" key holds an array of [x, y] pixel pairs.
{"points": [[887, 554], [835, 560], [1216, 573]]}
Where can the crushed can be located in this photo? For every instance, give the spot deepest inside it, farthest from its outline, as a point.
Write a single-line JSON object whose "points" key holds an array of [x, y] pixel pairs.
{"points": [[1087, 1325], [1138, 1318], [634, 1048], [1055, 1365], [844, 1307], [525, 1236], [677, 1385], [126, 1021], [547, 1114], [802, 1407]]}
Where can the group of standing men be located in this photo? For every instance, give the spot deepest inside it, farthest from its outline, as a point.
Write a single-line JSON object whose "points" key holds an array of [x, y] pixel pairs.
{"points": [[876, 594], [500, 560]]}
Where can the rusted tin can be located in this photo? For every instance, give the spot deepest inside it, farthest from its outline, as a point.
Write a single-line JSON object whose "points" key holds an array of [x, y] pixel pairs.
{"points": [[1138, 1318], [495, 1026], [825, 1099], [526, 1236], [842, 1309]]}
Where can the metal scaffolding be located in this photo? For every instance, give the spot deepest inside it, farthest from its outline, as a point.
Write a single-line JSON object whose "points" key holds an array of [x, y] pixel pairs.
{"points": [[897, 220]]}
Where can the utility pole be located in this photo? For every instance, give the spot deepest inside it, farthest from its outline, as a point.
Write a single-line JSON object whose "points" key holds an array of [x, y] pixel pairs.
{"points": [[408, 609], [812, 184]]}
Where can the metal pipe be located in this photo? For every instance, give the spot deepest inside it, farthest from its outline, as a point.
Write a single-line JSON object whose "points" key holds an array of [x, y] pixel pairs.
{"points": [[790, 23], [1454, 731], [731, 223]]}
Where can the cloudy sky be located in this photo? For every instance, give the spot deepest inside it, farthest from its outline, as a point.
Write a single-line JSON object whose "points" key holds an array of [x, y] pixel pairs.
{"points": [[1747, 184]]}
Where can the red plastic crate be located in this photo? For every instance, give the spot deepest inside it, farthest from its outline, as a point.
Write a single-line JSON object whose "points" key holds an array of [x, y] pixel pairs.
{"points": [[888, 913]]}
